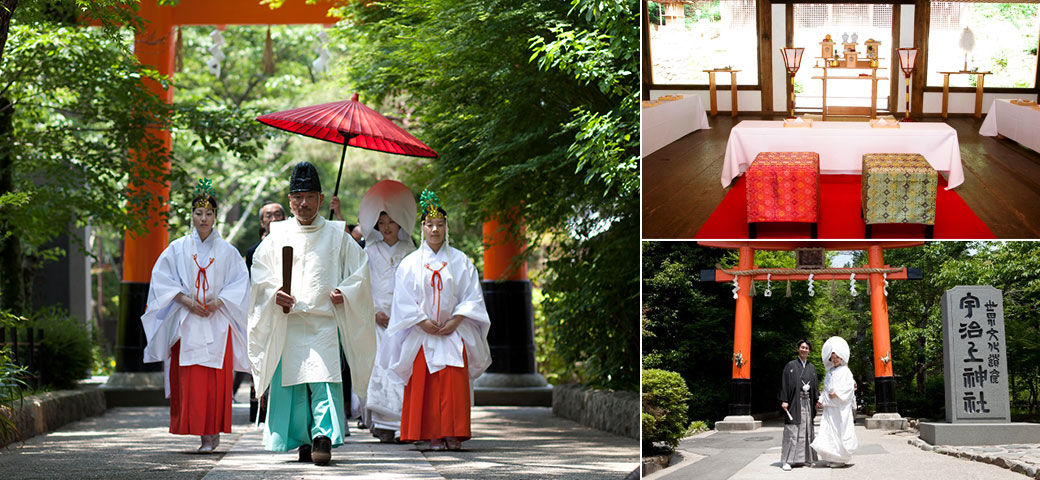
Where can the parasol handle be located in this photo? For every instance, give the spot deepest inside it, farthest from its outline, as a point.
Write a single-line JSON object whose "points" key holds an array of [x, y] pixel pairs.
{"points": [[286, 272], [346, 139]]}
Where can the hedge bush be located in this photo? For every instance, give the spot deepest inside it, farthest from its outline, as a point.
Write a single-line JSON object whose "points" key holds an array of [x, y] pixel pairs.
{"points": [[664, 407], [66, 352]]}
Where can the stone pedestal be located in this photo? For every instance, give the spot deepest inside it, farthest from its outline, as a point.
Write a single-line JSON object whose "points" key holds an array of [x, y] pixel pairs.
{"points": [[513, 389], [738, 423], [886, 421], [135, 389], [979, 433]]}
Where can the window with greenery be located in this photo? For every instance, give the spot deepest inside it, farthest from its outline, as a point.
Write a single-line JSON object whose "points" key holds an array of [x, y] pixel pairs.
{"points": [[689, 36], [1005, 43], [812, 23]]}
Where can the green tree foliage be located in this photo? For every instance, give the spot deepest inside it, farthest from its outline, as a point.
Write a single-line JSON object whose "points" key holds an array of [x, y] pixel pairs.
{"points": [[531, 106], [664, 408], [688, 325], [73, 111]]}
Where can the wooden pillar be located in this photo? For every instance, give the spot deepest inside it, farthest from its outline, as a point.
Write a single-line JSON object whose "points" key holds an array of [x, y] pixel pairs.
{"points": [[765, 54], [648, 69], [894, 72], [740, 390], [922, 14], [884, 382], [154, 47]]}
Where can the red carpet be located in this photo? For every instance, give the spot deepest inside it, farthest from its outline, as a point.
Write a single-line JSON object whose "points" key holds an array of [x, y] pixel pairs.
{"points": [[840, 216]]}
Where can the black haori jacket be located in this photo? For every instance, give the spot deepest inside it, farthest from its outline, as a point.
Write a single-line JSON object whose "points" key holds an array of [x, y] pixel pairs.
{"points": [[794, 376]]}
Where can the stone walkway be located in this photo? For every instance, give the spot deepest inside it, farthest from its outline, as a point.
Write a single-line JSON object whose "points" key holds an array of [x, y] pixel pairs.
{"points": [[134, 443], [881, 454]]}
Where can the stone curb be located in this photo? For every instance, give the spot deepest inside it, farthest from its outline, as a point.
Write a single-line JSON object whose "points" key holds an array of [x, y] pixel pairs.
{"points": [[996, 457], [47, 412], [612, 411]]}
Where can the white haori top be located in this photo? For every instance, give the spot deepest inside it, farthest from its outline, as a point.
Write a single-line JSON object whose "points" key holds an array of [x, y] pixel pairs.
{"points": [[416, 298], [307, 340], [220, 273]]}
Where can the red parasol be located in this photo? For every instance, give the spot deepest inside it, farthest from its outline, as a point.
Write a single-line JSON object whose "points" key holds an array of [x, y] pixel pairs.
{"points": [[349, 123]]}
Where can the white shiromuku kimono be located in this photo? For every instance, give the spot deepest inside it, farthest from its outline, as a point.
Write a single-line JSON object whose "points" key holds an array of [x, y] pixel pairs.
{"points": [[307, 340], [836, 439], [414, 301], [203, 339], [384, 396]]}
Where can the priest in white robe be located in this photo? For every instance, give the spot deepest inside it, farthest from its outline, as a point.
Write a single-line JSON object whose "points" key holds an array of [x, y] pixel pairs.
{"points": [[195, 323], [836, 439], [297, 354], [388, 216], [437, 336]]}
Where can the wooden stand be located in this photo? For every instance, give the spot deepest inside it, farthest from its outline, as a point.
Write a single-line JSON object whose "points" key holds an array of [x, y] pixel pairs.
{"points": [[860, 65], [978, 91], [732, 89]]}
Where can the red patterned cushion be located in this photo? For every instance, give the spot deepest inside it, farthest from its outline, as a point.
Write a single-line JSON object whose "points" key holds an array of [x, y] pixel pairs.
{"points": [[784, 187]]}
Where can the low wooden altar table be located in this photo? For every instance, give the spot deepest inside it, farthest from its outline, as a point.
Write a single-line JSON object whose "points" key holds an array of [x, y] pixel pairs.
{"points": [[732, 89], [978, 91], [862, 64]]}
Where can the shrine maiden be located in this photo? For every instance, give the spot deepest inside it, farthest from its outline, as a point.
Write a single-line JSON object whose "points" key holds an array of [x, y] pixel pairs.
{"points": [[297, 354], [437, 335], [195, 323], [837, 437], [388, 216]]}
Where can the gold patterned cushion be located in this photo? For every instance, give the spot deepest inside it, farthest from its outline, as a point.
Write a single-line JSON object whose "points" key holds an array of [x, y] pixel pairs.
{"points": [[898, 188]]}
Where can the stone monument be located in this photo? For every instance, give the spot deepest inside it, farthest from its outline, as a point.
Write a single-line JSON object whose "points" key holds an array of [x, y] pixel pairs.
{"points": [[975, 368]]}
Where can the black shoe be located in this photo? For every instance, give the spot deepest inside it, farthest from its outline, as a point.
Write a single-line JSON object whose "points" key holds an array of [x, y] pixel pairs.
{"points": [[322, 453], [384, 435], [305, 453]]}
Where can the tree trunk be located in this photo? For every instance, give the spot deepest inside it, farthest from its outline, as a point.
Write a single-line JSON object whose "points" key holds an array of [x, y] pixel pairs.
{"points": [[6, 12], [12, 293]]}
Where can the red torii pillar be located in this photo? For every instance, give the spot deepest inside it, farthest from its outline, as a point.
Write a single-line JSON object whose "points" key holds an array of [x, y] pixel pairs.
{"points": [[739, 413], [512, 378], [154, 46]]}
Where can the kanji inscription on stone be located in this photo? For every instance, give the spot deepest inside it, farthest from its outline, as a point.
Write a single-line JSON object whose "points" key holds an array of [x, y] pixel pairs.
{"points": [[974, 359]]}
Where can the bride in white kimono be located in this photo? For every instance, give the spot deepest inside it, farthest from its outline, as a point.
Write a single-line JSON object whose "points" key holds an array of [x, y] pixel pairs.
{"points": [[195, 323], [837, 437], [387, 217]]}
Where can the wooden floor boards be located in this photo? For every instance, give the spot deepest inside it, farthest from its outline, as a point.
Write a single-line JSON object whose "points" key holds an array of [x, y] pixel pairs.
{"points": [[681, 183]]}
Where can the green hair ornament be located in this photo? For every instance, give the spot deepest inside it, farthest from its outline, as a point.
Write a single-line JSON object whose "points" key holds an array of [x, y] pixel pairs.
{"points": [[204, 189], [429, 203]]}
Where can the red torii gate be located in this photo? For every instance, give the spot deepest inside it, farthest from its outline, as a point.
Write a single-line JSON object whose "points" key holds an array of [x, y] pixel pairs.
{"points": [[739, 414], [508, 290]]}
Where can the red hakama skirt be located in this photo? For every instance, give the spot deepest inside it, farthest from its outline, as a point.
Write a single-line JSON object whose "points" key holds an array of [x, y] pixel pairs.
{"points": [[200, 397], [436, 405]]}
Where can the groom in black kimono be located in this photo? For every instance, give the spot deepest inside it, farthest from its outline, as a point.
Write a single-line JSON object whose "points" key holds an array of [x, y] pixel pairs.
{"points": [[799, 390]]}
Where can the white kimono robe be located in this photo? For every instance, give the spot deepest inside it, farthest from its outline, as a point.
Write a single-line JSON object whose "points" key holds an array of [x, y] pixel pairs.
{"points": [[414, 301], [384, 396], [836, 439], [203, 339], [307, 340]]}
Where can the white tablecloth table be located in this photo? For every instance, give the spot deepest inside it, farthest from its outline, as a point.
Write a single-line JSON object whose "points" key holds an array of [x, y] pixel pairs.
{"points": [[841, 145], [1017, 122], [670, 121]]}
